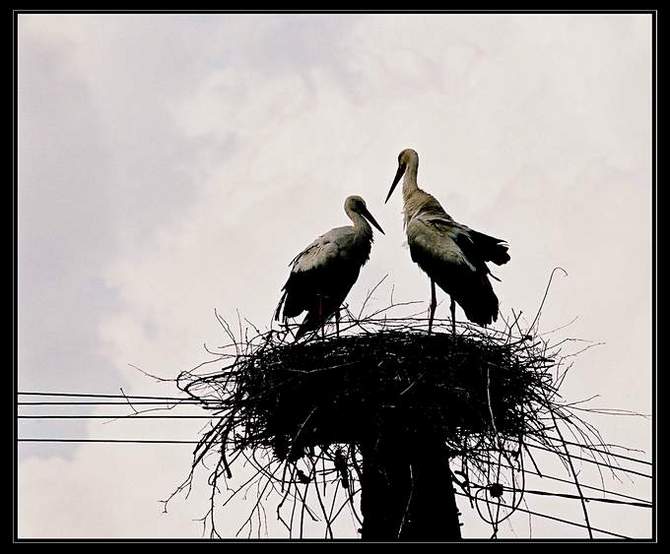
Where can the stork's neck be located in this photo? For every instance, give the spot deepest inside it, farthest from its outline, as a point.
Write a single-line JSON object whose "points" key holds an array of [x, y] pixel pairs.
{"points": [[409, 183], [411, 193]]}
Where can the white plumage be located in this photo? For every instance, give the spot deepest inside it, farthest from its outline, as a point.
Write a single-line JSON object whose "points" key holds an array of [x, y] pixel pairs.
{"points": [[323, 273]]}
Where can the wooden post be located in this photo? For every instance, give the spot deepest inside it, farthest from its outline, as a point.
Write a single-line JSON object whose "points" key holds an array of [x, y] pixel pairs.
{"points": [[407, 493]]}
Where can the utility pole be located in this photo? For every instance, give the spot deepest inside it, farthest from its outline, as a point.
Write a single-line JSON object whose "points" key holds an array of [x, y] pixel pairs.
{"points": [[407, 492]]}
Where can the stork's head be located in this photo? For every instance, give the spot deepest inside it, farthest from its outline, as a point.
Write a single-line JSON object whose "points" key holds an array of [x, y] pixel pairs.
{"points": [[406, 158], [357, 205]]}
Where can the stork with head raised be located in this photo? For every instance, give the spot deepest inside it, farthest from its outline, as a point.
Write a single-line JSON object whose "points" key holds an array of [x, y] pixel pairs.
{"points": [[323, 273], [451, 254]]}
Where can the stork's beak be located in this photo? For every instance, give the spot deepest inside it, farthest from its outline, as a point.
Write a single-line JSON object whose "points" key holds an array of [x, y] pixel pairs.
{"points": [[398, 175], [367, 215]]}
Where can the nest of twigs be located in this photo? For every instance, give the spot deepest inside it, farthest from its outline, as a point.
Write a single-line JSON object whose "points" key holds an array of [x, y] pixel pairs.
{"points": [[347, 388], [298, 412]]}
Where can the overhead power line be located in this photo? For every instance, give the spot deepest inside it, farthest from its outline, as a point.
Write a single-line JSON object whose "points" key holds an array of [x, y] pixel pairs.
{"points": [[110, 403], [569, 482], [577, 497], [117, 416], [107, 441], [596, 462], [546, 516], [103, 395], [606, 452]]}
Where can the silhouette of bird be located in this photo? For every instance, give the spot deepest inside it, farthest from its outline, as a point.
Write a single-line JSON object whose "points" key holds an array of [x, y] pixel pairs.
{"points": [[452, 255], [323, 273]]}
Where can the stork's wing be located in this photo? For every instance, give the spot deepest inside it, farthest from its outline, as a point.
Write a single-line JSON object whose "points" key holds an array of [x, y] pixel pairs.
{"points": [[447, 252], [433, 238], [476, 247], [322, 266], [303, 261], [322, 252]]}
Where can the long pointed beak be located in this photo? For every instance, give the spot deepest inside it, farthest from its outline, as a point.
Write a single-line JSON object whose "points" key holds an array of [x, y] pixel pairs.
{"points": [[398, 175], [367, 215]]}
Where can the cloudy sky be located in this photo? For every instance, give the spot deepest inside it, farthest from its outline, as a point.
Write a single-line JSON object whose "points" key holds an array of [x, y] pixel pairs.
{"points": [[173, 164]]}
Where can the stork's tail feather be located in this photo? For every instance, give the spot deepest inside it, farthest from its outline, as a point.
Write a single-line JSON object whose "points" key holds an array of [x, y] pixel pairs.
{"points": [[482, 310], [478, 301], [492, 249]]}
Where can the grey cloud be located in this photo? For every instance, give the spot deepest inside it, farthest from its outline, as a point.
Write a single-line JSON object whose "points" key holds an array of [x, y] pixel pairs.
{"points": [[173, 164]]}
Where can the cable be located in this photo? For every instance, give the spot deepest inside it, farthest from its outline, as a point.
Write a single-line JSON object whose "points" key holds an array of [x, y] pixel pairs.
{"points": [[97, 395], [125, 441], [548, 517], [576, 497], [594, 449], [591, 461], [553, 478], [117, 416], [127, 403]]}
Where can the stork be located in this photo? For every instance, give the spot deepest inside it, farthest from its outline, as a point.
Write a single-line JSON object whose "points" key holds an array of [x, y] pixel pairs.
{"points": [[451, 254], [323, 273]]}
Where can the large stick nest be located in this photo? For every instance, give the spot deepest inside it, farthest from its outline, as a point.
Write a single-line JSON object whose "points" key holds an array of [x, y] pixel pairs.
{"points": [[345, 389], [298, 412]]}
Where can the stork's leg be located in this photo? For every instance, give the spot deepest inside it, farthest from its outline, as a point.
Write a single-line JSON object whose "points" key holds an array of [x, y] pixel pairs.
{"points": [[433, 305], [323, 323], [337, 322], [452, 308]]}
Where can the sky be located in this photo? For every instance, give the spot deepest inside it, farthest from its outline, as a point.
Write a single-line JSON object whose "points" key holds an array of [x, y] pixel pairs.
{"points": [[170, 165]]}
